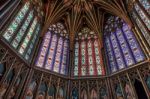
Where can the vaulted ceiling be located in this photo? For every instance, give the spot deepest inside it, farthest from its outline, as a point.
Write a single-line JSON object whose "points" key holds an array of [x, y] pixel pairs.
{"points": [[77, 13]]}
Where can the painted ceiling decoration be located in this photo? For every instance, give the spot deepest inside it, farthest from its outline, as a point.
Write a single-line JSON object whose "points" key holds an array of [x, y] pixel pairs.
{"points": [[75, 13]]}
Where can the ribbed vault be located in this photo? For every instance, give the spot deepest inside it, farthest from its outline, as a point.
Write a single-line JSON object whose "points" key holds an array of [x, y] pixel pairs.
{"points": [[75, 13]]}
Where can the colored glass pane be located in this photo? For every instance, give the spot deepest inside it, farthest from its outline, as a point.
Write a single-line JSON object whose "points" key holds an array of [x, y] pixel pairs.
{"points": [[10, 31], [22, 31], [43, 50], [110, 55], [33, 41], [76, 59], [137, 52], [117, 51], [98, 58], [51, 53], [141, 27], [64, 58], [146, 5], [58, 55], [125, 48], [28, 37], [90, 58], [142, 16], [83, 58]]}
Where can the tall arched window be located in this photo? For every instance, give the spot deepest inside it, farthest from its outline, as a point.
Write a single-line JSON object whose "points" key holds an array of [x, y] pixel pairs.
{"points": [[146, 5], [88, 59], [121, 46], [7, 9], [22, 33], [140, 14], [53, 54]]}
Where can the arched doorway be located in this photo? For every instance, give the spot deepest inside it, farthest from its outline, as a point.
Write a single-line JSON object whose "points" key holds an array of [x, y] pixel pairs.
{"points": [[140, 90]]}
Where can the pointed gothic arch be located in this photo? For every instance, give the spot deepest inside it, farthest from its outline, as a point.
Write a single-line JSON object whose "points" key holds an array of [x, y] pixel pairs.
{"points": [[84, 94]]}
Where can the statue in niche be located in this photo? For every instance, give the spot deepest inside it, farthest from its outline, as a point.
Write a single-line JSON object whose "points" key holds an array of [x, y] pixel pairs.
{"points": [[12, 93], [30, 90], [119, 92], [14, 88], [75, 94], [83, 95], [103, 94], [3, 89], [60, 94], [51, 92], [2, 69], [93, 94], [129, 92], [6, 84]]}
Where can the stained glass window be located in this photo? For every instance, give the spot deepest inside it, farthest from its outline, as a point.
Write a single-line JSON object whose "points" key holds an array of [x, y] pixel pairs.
{"points": [[28, 37], [64, 63], [22, 30], [136, 50], [32, 44], [90, 59], [58, 55], [122, 48], [22, 33], [98, 56], [110, 54], [10, 31], [146, 5], [142, 15], [53, 54], [117, 51], [43, 50], [140, 25], [87, 54], [76, 59], [83, 58]]}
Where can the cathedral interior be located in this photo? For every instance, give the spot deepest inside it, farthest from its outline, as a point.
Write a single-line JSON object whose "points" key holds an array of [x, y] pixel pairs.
{"points": [[74, 49]]}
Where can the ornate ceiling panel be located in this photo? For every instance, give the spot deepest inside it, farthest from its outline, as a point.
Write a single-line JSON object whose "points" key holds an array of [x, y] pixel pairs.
{"points": [[76, 13]]}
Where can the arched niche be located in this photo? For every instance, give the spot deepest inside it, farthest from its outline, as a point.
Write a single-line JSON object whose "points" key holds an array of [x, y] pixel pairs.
{"points": [[140, 89], [93, 94], [84, 94], [103, 93], [31, 89], [148, 81], [51, 92], [61, 93], [16, 86], [118, 92], [42, 91], [129, 92], [6, 83], [2, 70], [75, 94]]}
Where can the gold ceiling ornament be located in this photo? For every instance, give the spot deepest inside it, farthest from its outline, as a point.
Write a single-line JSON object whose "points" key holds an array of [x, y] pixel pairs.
{"points": [[75, 13]]}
